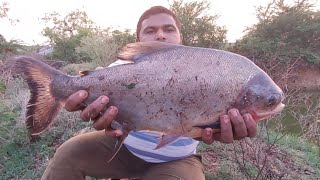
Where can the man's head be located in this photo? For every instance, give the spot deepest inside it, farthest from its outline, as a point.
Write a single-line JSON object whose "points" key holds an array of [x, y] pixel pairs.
{"points": [[159, 24]]}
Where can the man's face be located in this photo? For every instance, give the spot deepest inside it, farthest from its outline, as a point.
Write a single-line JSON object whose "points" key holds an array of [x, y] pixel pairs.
{"points": [[160, 27]]}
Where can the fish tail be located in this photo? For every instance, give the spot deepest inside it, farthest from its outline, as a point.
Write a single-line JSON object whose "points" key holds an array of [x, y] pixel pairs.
{"points": [[43, 106]]}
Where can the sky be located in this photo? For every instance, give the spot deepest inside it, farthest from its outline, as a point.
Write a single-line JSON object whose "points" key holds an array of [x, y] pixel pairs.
{"points": [[236, 15]]}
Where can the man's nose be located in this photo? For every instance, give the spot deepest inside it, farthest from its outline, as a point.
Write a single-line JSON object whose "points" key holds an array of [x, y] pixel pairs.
{"points": [[160, 36]]}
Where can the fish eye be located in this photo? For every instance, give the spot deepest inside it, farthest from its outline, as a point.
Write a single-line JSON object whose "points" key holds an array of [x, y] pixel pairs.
{"points": [[246, 100]]}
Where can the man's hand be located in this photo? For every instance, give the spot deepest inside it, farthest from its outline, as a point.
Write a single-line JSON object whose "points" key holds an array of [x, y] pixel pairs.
{"points": [[233, 127], [102, 120]]}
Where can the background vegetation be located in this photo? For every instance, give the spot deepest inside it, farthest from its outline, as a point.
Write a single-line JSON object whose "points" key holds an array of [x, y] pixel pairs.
{"points": [[285, 41]]}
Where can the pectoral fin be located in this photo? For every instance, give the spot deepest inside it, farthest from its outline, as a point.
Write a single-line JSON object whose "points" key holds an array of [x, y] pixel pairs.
{"points": [[120, 140], [215, 125], [134, 51], [117, 147], [167, 139]]}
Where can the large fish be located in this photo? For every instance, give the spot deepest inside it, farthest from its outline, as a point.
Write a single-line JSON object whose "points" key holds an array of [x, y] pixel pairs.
{"points": [[172, 89]]}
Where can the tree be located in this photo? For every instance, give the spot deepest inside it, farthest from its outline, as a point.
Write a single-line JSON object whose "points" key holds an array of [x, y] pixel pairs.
{"points": [[100, 47], [65, 33], [285, 32], [76, 38], [4, 10], [197, 27], [103, 45], [123, 37], [12, 46]]}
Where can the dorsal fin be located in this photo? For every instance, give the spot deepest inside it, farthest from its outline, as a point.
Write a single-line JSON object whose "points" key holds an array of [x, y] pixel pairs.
{"points": [[84, 73], [136, 50]]}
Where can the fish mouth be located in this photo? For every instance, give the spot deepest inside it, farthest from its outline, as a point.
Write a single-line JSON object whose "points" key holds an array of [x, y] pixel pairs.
{"points": [[258, 116]]}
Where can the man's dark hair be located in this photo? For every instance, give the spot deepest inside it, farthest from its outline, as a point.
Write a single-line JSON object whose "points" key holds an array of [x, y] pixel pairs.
{"points": [[153, 11]]}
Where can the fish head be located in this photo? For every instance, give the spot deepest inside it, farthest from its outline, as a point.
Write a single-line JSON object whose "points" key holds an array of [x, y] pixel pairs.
{"points": [[261, 97]]}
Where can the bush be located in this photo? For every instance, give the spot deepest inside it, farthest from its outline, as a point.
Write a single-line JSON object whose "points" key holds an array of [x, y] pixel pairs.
{"points": [[99, 47], [284, 32]]}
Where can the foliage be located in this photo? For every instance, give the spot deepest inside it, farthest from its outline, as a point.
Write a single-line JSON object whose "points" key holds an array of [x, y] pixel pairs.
{"points": [[4, 10], [65, 33], [103, 45], [19, 158], [284, 31], [270, 155], [75, 38], [197, 27], [12, 46], [2, 86], [123, 37]]}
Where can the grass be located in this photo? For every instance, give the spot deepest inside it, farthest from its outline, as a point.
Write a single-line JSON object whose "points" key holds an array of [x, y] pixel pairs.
{"points": [[296, 145], [2, 86], [19, 158], [290, 157], [219, 165]]}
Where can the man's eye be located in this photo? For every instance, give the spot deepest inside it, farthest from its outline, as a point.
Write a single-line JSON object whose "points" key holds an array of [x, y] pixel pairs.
{"points": [[170, 30], [149, 31]]}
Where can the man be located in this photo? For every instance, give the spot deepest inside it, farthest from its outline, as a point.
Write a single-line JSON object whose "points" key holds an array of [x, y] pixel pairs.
{"points": [[85, 155]]}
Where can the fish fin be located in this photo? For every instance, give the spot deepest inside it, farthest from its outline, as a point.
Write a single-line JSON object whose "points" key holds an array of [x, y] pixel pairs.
{"points": [[120, 140], [194, 133], [84, 73], [43, 106], [167, 139], [215, 125], [117, 147], [134, 51]]}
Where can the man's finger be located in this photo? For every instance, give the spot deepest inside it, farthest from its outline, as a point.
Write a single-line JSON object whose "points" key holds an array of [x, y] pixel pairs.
{"points": [[250, 124], [226, 129], [93, 109], [73, 101], [207, 136], [238, 124], [105, 120]]}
